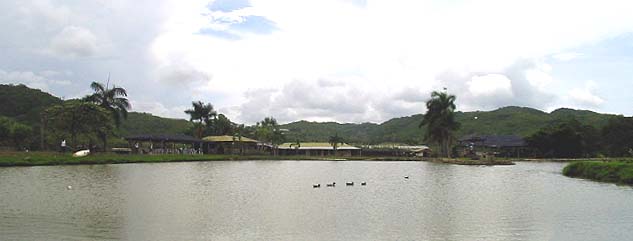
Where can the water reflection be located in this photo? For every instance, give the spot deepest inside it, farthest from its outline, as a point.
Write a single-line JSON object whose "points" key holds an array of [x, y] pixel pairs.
{"points": [[275, 200]]}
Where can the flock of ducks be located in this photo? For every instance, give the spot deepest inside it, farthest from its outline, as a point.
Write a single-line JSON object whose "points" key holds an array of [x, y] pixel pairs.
{"points": [[333, 184]]}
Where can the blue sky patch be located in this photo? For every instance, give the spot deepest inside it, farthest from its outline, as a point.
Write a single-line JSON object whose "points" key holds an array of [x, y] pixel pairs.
{"points": [[219, 33], [228, 5], [255, 24]]}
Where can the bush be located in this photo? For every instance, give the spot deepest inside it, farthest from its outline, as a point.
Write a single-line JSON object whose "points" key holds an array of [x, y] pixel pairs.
{"points": [[616, 172]]}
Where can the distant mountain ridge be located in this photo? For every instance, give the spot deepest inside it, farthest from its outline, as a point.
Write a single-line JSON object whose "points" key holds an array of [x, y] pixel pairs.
{"points": [[511, 120], [24, 105]]}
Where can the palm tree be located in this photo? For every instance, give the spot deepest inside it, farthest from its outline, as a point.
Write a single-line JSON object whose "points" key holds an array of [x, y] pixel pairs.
{"points": [[440, 121], [113, 100], [200, 114], [334, 141]]}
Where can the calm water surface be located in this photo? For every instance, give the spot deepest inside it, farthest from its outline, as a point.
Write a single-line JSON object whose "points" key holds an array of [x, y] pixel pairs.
{"points": [[274, 200]]}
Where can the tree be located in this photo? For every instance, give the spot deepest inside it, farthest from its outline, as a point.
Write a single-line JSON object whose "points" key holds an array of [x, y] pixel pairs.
{"points": [[13, 131], [296, 145], [618, 136], [568, 139], [334, 141], [19, 134], [237, 137], [221, 125], [440, 121], [265, 128], [5, 128], [268, 130], [200, 115], [114, 100], [78, 118]]}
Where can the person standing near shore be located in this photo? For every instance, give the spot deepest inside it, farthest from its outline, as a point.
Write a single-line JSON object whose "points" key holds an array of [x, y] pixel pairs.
{"points": [[63, 146]]}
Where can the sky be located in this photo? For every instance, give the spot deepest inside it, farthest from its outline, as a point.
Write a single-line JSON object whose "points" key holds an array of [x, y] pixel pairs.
{"points": [[326, 60]]}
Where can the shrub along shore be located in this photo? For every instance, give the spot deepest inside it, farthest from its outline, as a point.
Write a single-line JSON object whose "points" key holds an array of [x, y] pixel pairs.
{"points": [[56, 158], [618, 171]]}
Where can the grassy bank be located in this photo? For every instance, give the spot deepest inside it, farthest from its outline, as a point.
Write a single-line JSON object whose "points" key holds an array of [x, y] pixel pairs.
{"points": [[620, 171], [56, 158]]}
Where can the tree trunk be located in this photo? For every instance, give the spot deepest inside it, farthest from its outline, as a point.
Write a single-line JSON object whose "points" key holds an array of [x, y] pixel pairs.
{"points": [[104, 138], [42, 127]]}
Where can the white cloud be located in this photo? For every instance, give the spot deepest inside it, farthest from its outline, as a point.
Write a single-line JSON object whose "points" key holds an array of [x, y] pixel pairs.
{"points": [[182, 75], [74, 41], [586, 96], [567, 56], [490, 85], [34, 80], [381, 58], [157, 108]]}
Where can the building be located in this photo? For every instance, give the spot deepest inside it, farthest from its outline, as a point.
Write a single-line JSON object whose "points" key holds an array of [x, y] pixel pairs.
{"points": [[230, 145], [498, 145], [396, 150], [164, 144], [317, 149]]}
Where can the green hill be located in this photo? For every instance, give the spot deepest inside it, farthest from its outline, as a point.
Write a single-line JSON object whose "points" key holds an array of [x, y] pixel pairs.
{"points": [[24, 105], [144, 123], [512, 120]]}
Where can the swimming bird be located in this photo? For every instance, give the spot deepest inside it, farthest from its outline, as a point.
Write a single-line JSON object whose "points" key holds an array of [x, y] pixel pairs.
{"points": [[316, 185], [406, 177], [331, 184], [363, 183], [69, 187], [349, 183]]}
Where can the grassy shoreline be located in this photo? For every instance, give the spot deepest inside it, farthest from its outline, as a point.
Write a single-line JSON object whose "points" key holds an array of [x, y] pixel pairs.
{"points": [[9, 159], [616, 171], [55, 158]]}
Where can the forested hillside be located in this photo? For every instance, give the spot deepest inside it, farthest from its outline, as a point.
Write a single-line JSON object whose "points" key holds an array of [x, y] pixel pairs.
{"points": [[24, 105], [510, 120], [144, 123]]}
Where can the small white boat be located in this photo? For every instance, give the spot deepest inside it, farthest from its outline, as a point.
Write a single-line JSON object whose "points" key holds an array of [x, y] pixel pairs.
{"points": [[81, 153]]}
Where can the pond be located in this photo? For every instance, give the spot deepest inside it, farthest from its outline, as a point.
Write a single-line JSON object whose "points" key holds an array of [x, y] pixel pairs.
{"points": [[275, 200]]}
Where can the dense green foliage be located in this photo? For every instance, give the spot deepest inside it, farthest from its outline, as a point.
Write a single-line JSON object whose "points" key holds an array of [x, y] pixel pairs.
{"points": [[617, 137], [200, 115], [568, 139], [571, 139], [13, 133], [439, 121], [617, 171], [114, 100], [334, 141], [78, 121], [24, 104], [268, 131], [145, 123]]}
